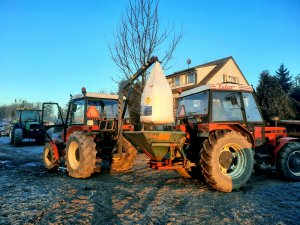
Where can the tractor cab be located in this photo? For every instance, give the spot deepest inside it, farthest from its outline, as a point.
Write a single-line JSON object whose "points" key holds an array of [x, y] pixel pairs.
{"points": [[88, 111], [91, 109], [222, 106], [28, 117]]}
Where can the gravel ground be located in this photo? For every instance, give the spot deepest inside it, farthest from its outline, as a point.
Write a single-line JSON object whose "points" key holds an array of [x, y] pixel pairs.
{"points": [[31, 195]]}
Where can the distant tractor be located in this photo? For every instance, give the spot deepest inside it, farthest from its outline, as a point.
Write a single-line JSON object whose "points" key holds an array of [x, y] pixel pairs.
{"points": [[90, 133], [220, 135], [27, 124]]}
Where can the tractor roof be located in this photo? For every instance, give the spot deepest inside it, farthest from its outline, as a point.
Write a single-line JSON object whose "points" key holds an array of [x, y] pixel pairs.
{"points": [[96, 95], [218, 87]]}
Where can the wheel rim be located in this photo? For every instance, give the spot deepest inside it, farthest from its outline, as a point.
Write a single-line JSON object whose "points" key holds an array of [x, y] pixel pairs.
{"points": [[74, 155], [232, 160], [293, 163], [48, 156]]}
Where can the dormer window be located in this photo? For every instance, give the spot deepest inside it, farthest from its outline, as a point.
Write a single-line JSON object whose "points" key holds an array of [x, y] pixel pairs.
{"points": [[191, 78]]}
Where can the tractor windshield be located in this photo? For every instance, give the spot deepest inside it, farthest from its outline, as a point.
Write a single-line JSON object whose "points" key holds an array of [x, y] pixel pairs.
{"points": [[29, 115], [226, 106], [196, 104], [105, 108]]}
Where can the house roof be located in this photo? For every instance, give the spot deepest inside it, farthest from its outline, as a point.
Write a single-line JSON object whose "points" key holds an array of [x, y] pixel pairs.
{"points": [[218, 65]]}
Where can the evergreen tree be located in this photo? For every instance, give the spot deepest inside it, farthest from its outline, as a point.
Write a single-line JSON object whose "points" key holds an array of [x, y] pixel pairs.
{"points": [[295, 97], [295, 93], [272, 98], [284, 78]]}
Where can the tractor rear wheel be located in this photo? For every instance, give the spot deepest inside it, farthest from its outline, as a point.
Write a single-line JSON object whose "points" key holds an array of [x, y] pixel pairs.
{"points": [[227, 160], [80, 155], [50, 161], [288, 161], [18, 136], [126, 160]]}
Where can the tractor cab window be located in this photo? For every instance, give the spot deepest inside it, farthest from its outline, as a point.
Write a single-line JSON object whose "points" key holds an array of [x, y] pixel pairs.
{"points": [[226, 106], [105, 108], [196, 104], [77, 112], [252, 112], [32, 116]]}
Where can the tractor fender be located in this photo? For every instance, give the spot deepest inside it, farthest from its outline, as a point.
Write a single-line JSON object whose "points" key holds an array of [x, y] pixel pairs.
{"points": [[233, 127], [281, 142]]}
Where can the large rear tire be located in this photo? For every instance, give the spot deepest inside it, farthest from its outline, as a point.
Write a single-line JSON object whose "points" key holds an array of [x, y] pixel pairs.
{"points": [[18, 136], [288, 161], [227, 160], [50, 161], [81, 155], [126, 160]]}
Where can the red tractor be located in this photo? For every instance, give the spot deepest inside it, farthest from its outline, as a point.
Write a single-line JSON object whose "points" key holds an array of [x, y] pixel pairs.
{"points": [[91, 131], [220, 135]]}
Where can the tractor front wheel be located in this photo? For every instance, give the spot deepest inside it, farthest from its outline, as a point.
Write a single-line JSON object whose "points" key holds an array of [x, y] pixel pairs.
{"points": [[50, 161], [288, 161], [126, 160], [80, 155], [18, 136], [227, 160]]}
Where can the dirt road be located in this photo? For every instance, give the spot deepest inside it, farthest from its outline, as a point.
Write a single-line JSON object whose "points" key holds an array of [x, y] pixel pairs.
{"points": [[31, 195]]}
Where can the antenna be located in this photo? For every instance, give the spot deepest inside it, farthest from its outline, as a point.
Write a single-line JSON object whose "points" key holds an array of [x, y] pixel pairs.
{"points": [[188, 61]]}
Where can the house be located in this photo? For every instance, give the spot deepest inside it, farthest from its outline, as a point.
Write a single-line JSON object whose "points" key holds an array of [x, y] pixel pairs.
{"points": [[220, 71]]}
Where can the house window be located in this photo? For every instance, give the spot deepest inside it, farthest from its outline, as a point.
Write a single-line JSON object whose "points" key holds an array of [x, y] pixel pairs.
{"points": [[230, 79], [177, 81], [191, 78]]}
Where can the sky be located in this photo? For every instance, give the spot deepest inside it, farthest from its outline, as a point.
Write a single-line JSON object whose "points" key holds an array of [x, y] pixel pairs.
{"points": [[49, 49]]}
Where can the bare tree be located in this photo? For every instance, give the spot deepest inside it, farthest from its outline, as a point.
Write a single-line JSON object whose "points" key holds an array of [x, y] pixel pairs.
{"points": [[138, 37]]}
